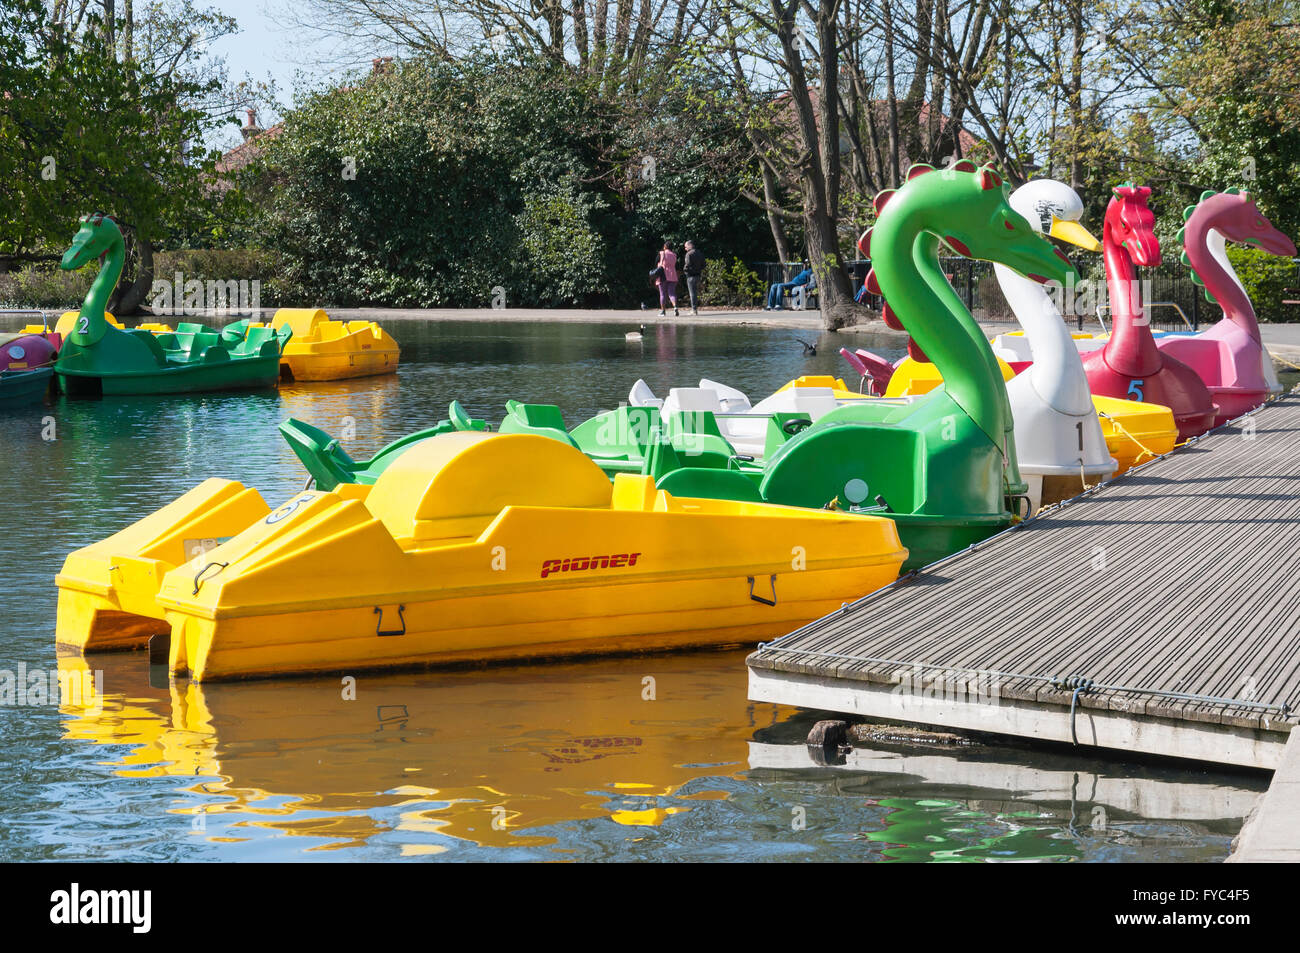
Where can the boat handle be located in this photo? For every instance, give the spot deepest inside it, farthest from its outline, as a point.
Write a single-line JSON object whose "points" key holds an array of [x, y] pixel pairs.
{"points": [[379, 626], [198, 576], [766, 602]]}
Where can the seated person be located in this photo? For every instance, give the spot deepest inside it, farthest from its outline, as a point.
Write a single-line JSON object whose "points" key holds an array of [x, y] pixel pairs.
{"points": [[776, 294]]}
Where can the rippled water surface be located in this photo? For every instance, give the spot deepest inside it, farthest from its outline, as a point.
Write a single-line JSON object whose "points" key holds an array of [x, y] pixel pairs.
{"points": [[566, 761]]}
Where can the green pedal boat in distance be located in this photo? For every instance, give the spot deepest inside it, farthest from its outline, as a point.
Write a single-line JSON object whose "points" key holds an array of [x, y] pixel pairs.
{"points": [[98, 359]]}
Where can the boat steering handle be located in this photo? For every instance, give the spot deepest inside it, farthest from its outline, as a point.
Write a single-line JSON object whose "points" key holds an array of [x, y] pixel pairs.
{"points": [[198, 576]]}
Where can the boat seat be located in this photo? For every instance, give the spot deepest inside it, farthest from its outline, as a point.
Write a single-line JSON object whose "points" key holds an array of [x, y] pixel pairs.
{"points": [[1013, 348], [710, 484], [816, 402], [698, 433], [691, 398], [233, 334], [256, 337], [150, 341], [642, 396], [618, 434], [454, 484], [542, 419], [304, 322], [327, 462], [733, 401]]}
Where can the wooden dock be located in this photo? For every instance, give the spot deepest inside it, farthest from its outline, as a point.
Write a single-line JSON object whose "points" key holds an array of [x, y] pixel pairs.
{"points": [[1156, 614]]}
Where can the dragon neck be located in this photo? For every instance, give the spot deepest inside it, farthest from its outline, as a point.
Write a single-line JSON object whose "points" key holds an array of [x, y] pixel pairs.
{"points": [[928, 307], [1131, 343], [1057, 372], [1209, 259], [96, 302]]}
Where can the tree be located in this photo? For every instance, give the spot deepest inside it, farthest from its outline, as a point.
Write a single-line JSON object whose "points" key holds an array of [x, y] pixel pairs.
{"points": [[85, 131]]}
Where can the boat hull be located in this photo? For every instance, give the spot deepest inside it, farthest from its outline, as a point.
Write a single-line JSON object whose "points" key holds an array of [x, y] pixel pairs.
{"points": [[323, 349], [260, 373], [429, 567], [531, 624], [23, 388]]}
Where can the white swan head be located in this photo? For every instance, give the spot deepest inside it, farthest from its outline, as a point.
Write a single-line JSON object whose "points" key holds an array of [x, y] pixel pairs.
{"points": [[1054, 209]]}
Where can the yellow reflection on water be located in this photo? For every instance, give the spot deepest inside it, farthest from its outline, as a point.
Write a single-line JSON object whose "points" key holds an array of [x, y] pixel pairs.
{"points": [[483, 756]]}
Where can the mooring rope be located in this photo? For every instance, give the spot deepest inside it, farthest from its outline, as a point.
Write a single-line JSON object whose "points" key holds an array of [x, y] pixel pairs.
{"points": [[1146, 451]]}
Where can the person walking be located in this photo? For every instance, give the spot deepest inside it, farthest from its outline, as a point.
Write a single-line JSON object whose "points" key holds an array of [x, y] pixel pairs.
{"points": [[668, 280], [693, 267]]}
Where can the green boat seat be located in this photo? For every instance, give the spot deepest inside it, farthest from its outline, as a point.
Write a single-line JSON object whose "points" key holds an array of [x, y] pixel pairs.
{"points": [[543, 419]]}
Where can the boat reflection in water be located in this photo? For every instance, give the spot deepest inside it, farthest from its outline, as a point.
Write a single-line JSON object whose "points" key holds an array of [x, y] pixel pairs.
{"points": [[656, 758], [1005, 804], [482, 756]]}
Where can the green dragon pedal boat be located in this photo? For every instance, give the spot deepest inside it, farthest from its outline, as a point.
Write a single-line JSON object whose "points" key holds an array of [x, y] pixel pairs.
{"points": [[942, 466], [98, 359]]}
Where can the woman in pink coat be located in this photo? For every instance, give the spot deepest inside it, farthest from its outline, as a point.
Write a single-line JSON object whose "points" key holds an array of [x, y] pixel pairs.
{"points": [[667, 282]]}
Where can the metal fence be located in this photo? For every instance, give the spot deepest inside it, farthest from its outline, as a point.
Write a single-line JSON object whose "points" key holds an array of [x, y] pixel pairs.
{"points": [[1175, 302]]}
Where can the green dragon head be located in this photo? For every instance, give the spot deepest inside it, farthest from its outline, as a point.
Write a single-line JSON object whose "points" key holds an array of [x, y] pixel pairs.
{"points": [[967, 208], [98, 233]]}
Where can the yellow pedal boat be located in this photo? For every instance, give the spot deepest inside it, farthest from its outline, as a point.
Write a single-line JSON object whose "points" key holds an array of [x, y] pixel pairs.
{"points": [[67, 321], [469, 547], [839, 390], [1135, 432], [323, 349], [913, 378]]}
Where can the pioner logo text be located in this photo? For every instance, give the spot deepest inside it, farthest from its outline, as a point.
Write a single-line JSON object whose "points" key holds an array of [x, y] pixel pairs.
{"points": [[584, 563]]}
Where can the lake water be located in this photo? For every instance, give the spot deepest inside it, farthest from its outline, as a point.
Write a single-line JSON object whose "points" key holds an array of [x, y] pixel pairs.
{"points": [[647, 758]]}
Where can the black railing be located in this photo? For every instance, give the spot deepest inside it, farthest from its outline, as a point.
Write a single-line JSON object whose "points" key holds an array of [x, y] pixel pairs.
{"points": [[1178, 303]]}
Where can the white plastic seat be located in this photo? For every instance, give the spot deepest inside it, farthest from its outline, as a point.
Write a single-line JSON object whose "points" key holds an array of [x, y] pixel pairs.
{"points": [[691, 399], [642, 396], [733, 401]]}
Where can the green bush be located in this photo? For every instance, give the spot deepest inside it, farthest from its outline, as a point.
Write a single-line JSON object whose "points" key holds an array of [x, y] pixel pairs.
{"points": [[45, 287], [1268, 281], [48, 288], [227, 264], [737, 285], [435, 183]]}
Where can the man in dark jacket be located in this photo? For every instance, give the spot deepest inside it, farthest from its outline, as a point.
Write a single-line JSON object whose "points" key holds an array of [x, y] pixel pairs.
{"points": [[693, 267]]}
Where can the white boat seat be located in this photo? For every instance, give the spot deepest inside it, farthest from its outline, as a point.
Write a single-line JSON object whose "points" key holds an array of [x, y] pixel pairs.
{"points": [[692, 399], [1013, 347], [733, 401], [642, 396], [814, 401]]}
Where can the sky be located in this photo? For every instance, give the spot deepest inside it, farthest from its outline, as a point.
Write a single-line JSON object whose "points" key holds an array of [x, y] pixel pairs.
{"points": [[263, 50]]}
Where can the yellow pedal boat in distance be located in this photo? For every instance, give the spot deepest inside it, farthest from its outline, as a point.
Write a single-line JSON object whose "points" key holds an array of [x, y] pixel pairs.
{"points": [[67, 323], [839, 389], [912, 378], [469, 547], [323, 349], [1135, 432]]}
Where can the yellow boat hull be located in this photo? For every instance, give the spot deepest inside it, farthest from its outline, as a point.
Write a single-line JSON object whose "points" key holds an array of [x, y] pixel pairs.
{"points": [[322, 349], [470, 547], [1135, 432]]}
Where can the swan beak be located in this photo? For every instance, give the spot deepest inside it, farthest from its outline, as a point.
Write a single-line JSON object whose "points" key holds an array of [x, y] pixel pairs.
{"points": [[1074, 233]]}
